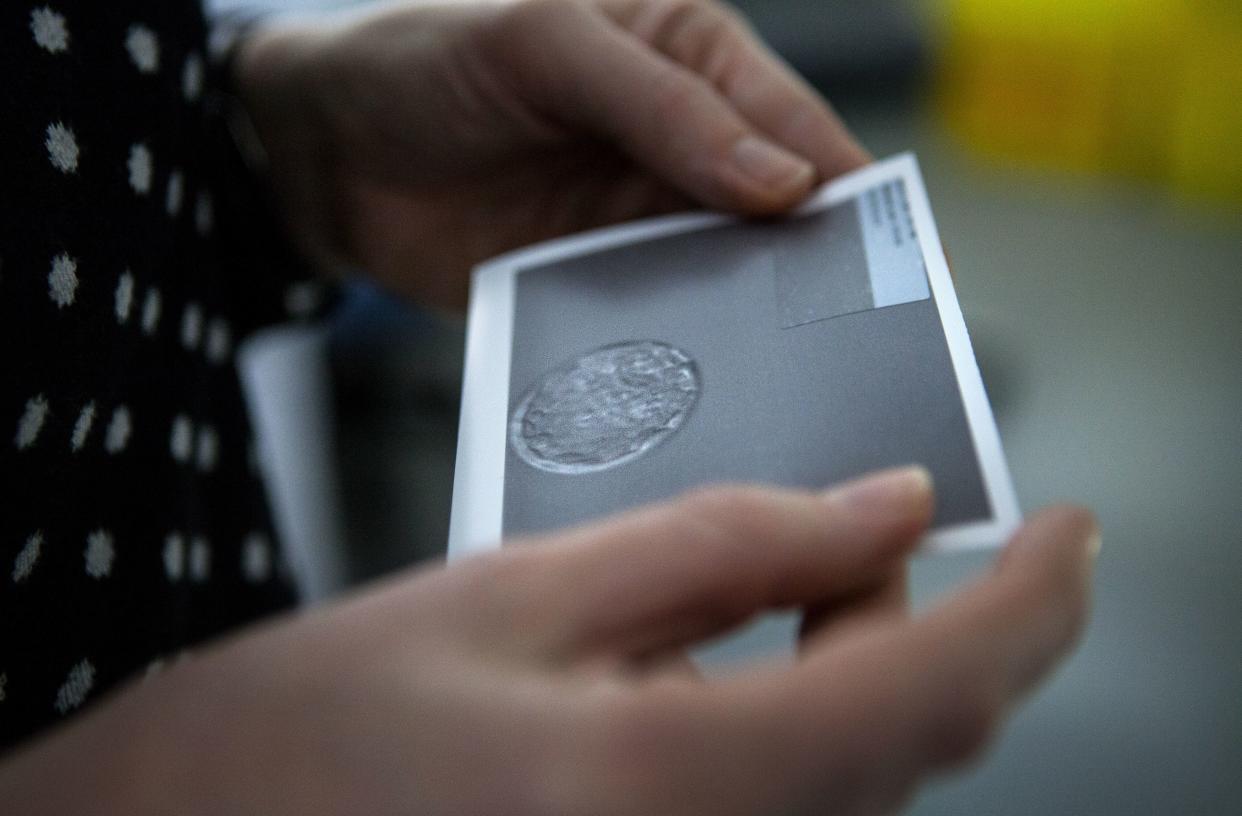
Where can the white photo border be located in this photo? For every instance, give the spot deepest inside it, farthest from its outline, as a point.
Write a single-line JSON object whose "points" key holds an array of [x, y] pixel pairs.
{"points": [[479, 480]]}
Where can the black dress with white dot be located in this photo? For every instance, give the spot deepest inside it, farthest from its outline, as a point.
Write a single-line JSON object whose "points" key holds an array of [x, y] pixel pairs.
{"points": [[135, 252]]}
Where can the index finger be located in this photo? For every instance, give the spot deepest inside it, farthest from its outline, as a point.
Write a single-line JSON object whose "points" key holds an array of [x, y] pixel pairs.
{"points": [[670, 575], [718, 45]]}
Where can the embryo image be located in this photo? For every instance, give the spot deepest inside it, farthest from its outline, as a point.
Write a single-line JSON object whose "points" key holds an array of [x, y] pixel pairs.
{"points": [[607, 407]]}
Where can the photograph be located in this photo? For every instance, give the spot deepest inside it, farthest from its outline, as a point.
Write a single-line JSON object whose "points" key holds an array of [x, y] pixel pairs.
{"points": [[647, 361]]}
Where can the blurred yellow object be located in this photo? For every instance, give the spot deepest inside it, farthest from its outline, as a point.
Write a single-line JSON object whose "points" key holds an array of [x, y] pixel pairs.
{"points": [[1141, 88], [1207, 134]]}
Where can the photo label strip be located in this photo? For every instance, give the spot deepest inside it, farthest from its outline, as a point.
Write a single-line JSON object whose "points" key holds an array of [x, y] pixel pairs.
{"points": [[624, 366], [853, 256]]}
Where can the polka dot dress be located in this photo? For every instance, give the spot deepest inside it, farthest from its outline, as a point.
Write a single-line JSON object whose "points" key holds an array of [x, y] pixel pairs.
{"points": [[135, 252]]}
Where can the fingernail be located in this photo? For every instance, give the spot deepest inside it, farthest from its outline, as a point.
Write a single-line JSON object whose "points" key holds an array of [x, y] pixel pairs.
{"points": [[770, 165], [884, 492], [1094, 544]]}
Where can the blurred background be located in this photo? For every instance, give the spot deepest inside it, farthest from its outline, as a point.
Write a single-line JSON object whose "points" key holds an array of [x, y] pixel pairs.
{"points": [[1084, 161]]}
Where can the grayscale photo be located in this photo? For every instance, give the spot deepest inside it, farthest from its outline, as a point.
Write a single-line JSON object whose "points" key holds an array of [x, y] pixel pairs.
{"points": [[797, 353]]}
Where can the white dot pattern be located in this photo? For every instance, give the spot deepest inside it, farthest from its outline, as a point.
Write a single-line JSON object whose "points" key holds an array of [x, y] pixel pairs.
{"points": [[27, 557], [174, 193], [200, 560], [49, 29], [192, 78], [204, 214], [256, 558], [191, 326], [219, 340], [151, 311], [174, 556], [181, 441], [139, 166], [62, 281], [99, 555], [119, 428], [131, 521], [123, 300], [77, 685], [208, 449], [82, 428], [62, 147], [31, 422], [143, 48]]}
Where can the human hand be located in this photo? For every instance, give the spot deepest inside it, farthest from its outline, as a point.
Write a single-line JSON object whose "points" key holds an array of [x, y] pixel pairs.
{"points": [[549, 678], [414, 141]]}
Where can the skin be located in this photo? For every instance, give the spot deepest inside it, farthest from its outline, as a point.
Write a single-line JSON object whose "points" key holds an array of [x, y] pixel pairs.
{"points": [[550, 676], [522, 121]]}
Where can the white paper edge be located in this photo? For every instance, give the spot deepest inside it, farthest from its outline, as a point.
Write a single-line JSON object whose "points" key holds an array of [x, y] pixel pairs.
{"points": [[1006, 515], [478, 481]]}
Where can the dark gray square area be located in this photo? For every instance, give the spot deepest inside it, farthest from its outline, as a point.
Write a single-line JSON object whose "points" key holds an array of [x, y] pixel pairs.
{"points": [[803, 406], [807, 288]]}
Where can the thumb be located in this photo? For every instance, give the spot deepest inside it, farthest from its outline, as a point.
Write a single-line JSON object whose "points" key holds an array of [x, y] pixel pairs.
{"points": [[669, 575]]}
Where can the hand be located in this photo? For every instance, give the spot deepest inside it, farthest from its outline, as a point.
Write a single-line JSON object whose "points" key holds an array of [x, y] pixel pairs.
{"points": [[549, 677], [415, 141]]}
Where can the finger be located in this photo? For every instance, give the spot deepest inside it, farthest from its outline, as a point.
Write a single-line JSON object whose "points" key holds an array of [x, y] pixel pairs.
{"points": [[888, 705], [578, 67], [717, 44], [679, 572], [886, 599], [597, 187], [673, 664]]}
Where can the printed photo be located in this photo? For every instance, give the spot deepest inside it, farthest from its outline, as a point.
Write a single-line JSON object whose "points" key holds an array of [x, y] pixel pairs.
{"points": [[688, 352]]}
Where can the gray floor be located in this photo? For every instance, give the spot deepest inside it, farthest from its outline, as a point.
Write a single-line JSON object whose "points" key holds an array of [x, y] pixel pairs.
{"points": [[1107, 323]]}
